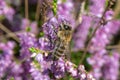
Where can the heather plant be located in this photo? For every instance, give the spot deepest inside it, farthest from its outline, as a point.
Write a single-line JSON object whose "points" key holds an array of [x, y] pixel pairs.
{"points": [[33, 45]]}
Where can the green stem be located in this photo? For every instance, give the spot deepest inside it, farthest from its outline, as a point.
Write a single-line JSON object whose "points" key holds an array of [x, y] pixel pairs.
{"points": [[54, 7]]}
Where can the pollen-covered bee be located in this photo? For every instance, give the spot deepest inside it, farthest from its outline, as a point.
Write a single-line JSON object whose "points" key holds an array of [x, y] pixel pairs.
{"points": [[64, 35]]}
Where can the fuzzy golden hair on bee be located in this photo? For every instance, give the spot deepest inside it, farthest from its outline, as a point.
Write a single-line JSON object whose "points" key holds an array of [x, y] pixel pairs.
{"points": [[65, 33]]}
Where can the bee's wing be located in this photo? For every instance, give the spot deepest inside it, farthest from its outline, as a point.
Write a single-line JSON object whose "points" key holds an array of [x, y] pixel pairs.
{"points": [[68, 52]]}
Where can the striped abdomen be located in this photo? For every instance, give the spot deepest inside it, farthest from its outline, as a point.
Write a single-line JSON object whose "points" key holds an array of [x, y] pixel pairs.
{"points": [[59, 50]]}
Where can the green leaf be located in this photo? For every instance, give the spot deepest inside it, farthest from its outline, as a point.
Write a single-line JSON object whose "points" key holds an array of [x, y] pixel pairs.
{"points": [[2, 17], [41, 34], [76, 56], [106, 3], [87, 5], [1, 51], [28, 29], [37, 64], [33, 50], [12, 78], [63, 0], [118, 16], [54, 7], [71, 78]]}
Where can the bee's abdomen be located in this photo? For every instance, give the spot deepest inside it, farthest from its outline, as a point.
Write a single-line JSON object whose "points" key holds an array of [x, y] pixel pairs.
{"points": [[60, 51]]}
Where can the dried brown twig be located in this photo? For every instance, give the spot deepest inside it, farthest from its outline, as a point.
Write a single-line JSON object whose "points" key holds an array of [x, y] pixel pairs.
{"points": [[13, 35], [37, 11], [117, 9], [26, 9], [41, 10], [46, 4]]}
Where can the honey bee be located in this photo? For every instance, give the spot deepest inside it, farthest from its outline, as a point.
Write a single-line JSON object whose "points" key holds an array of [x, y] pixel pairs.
{"points": [[64, 35]]}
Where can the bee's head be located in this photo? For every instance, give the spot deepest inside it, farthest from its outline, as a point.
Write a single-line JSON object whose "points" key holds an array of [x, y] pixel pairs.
{"points": [[65, 27], [65, 32]]}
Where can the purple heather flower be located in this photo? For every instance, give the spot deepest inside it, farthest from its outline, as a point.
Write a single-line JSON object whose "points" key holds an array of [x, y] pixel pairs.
{"points": [[81, 33], [78, 72], [15, 71], [97, 7], [27, 24], [45, 44], [98, 44], [9, 12], [105, 66], [96, 62], [104, 35], [6, 10], [58, 68], [41, 72], [44, 64], [37, 74], [65, 9], [71, 69], [5, 56], [109, 15], [50, 27], [111, 66], [28, 40]]}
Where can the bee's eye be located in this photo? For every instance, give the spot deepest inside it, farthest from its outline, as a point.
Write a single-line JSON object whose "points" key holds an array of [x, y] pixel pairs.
{"points": [[66, 27]]}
